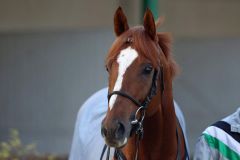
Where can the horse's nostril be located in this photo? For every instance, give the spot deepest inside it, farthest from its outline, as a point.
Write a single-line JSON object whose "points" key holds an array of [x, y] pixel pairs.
{"points": [[120, 130], [104, 131]]}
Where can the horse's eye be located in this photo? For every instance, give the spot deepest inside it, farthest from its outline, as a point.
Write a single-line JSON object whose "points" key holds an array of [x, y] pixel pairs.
{"points": [[148, 69], [106, 68]]}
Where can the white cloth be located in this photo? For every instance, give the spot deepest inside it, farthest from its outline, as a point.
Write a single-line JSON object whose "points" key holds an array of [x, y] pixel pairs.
{"points": [[205, 149], [87, 140]]}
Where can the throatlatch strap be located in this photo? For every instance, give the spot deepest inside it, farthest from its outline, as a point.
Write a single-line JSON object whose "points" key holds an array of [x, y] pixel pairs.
{"points": [[152, 91]]}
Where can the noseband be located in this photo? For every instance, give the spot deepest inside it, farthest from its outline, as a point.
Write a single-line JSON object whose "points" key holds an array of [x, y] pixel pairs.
{"points": [[152, 92], [137, 123]]}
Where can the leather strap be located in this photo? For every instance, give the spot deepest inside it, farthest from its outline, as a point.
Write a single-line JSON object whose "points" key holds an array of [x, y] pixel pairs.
{"points": [[118, 154], [152, 92], [126, 96]]}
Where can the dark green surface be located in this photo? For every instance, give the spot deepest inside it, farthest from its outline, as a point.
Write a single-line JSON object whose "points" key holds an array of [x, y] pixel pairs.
{"points": [[152, 5]]}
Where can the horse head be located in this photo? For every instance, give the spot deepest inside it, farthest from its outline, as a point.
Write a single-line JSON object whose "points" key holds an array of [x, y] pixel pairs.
{"points": [[139, 63]]}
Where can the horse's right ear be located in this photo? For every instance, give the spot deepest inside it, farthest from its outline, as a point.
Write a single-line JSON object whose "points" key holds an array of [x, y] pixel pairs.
{"points": [[120, 22]]}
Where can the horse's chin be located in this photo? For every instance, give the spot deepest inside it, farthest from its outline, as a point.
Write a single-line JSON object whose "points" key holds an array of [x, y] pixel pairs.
{"points": [[117, 144]]}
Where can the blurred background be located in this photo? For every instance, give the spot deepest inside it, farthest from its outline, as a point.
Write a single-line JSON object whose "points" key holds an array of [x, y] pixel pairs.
{"points": [[52, 59]]}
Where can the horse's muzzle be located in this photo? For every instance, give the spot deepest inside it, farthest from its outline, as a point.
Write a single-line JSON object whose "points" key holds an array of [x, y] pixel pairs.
{"points": [[114, 134]]}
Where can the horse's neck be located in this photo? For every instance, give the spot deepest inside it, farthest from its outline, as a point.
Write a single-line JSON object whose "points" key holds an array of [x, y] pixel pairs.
{"points": [[159, 138], [160, 133]]}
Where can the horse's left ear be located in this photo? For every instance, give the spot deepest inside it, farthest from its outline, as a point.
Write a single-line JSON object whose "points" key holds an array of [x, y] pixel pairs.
{"points": [[149, 24], [120, 22]]}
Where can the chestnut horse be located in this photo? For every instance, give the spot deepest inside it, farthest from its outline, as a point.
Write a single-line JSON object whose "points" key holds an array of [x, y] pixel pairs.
{"points": [[141, 122]]}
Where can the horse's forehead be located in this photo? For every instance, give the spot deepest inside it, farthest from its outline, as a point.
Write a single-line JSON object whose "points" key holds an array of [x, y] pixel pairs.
{"points": [[126, 57]]}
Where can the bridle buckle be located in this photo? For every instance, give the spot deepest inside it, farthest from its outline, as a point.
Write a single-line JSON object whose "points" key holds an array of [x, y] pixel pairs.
{"points": [[139, 120]]}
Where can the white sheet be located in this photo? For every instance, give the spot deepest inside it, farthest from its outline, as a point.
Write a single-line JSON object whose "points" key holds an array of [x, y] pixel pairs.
{"points": [[87, 140]]}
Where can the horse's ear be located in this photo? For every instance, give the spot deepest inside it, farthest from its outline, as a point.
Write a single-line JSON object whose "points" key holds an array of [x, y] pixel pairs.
{"points": [[149, 24], [120, 22]]}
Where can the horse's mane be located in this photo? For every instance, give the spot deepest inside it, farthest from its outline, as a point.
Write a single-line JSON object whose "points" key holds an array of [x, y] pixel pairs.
{"points": [[165, 43], [145, 46]]}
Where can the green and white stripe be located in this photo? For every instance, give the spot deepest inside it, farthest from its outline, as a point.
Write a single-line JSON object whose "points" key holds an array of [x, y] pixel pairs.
{"points": [[224, 143]]}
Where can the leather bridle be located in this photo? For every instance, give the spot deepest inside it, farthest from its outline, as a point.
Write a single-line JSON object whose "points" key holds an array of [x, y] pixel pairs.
{"points": [[137, 123], [142, 106]]}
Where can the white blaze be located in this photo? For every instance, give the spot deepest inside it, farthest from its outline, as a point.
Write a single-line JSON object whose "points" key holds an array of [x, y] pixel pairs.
{"points": [[124, 60]]}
